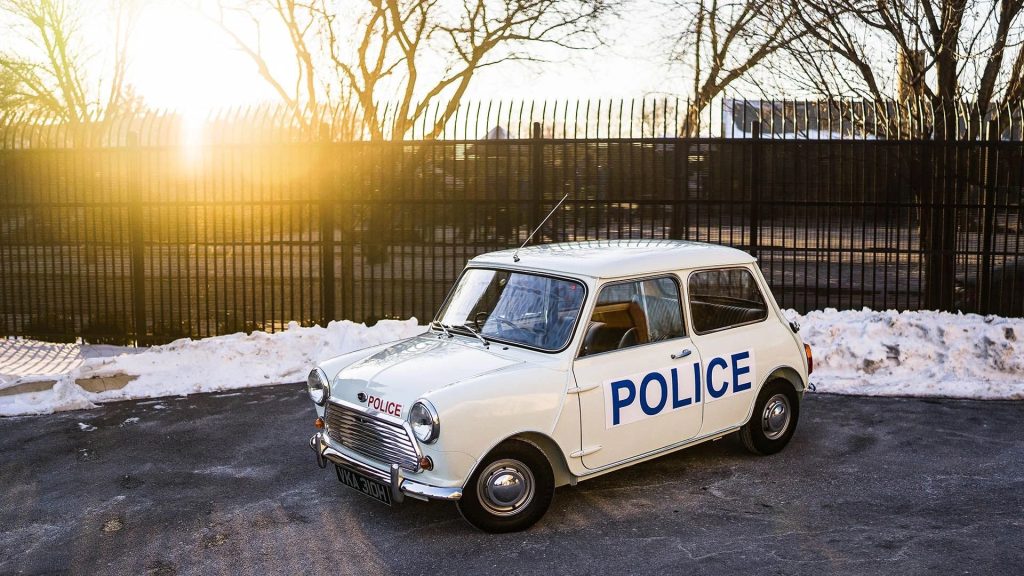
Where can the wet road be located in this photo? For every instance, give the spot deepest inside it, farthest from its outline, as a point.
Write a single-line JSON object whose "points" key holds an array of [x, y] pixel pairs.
{"points": [[226, 484]]}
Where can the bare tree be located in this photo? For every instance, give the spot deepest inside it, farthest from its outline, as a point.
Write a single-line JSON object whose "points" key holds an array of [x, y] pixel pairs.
{"points": [[944, 50], [723, 40], [307, 81], [401, 60], [48, 67]]}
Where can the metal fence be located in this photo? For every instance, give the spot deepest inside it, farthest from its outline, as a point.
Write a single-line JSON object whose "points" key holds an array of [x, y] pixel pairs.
{"points": [[149, 229]]}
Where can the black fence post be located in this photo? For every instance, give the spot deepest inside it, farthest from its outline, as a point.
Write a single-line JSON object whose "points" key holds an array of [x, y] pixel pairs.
{"points": [[924, 180], [984, 291], [344, 184], [755, 188], [136, 240], [680, 216], [324, 190], [940, 214], [537, 177], [950, 201]]}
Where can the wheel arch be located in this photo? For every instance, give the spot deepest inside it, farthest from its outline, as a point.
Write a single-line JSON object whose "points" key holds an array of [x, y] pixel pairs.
{"points": [[546, 445], [786, 374], [789, 374]]}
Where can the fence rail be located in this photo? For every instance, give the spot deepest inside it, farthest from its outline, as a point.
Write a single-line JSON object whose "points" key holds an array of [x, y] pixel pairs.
{"points": [[133, 232], [497, 120]]}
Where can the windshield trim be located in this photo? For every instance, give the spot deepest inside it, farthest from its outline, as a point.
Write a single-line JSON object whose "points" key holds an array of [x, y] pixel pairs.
{"points": [[572, 334]]}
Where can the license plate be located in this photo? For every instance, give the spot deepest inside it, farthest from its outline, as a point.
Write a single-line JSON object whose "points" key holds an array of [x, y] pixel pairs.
{"points": [[377, 490]]}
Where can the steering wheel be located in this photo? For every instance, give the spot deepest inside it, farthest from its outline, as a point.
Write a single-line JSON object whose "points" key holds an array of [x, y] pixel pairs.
{"points": [[506, 322], [479, 319]]}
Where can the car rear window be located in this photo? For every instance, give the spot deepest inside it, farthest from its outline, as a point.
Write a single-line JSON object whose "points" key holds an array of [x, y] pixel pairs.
{"points": [[725, 298]]}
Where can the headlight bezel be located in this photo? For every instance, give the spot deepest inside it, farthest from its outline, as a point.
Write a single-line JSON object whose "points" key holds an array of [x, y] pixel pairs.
{"points": [[432, 419], [317, 382]]}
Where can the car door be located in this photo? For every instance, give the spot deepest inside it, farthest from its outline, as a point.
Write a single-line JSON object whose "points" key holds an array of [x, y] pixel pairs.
{"points": [[728, 317], [635, 373]]}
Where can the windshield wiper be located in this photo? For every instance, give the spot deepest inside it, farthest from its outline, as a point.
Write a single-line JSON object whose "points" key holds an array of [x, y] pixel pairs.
{"points": [[439, 324], [477, 334]]}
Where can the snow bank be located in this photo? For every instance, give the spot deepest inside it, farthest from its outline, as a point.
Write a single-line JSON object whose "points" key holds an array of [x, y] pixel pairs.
{"points": [[915, 353], [190, 366], [855, 352]]}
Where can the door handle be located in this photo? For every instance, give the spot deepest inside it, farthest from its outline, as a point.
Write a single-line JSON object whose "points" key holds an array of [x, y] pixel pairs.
{"points": [[683, 354]]}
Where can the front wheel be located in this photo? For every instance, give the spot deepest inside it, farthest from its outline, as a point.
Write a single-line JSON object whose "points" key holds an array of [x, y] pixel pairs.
{"points": [[510, 490], [774, 419]]}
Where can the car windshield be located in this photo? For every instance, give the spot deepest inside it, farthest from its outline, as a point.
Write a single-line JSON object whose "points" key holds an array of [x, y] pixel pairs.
{"points": [[515, 307]]}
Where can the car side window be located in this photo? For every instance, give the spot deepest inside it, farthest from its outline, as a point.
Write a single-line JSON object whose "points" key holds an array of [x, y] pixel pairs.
{"points": [[721, 299], [633, 313]]}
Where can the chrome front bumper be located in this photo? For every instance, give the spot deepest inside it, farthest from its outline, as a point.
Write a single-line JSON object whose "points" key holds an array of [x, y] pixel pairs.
{"points": [[400, 485]]}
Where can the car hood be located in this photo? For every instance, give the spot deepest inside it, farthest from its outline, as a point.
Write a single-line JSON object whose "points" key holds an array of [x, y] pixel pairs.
{"points": [[392, 379]]}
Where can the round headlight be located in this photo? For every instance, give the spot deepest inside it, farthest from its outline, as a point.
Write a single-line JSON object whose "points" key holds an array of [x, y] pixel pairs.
{"points": [[424, 422], [318, 387]]}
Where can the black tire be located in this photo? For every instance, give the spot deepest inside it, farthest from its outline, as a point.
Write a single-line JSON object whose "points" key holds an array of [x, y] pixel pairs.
{"points": [[764, 435], [495, 511]]}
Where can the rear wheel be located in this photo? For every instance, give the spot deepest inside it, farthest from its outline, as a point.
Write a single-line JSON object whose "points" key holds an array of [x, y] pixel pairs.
{"points": [[773, 422], [510, 490]]}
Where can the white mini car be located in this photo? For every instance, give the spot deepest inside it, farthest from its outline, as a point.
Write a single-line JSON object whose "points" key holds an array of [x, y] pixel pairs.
{"points": [[556, 365]]}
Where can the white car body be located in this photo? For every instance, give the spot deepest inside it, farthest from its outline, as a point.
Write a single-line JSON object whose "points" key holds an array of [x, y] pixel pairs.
{"points": [[589, 414]]}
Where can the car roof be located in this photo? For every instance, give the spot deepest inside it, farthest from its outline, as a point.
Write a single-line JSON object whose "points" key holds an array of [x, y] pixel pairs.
{"points": [[615, 258]]}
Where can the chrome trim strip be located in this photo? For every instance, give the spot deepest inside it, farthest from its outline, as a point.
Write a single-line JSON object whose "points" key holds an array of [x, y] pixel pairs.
{"points": [[400, 485], [417, 490], [659, 451]]}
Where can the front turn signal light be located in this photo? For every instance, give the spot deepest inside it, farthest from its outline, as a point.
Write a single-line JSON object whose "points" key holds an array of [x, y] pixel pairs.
{"points": [[810, 358], [319, 423]]}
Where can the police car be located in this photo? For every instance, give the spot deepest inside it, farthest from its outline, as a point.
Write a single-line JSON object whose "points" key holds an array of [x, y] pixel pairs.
{"points": [[557, 364]]}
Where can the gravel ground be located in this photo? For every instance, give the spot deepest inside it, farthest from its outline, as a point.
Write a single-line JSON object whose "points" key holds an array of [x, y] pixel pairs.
{"points": [[226, 483]]}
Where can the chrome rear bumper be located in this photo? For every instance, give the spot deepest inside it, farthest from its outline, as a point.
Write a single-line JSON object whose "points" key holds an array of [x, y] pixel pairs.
{"points": [[400, 485]]}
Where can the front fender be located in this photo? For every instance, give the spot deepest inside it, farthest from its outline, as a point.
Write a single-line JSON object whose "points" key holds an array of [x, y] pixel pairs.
{"points": [[478, 413]]}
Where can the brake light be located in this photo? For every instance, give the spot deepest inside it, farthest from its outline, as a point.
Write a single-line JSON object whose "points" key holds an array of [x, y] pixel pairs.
{"points": [[810, 358]]}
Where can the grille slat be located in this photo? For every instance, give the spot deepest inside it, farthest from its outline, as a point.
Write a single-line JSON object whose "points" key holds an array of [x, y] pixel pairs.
{"points": [[383, 455], [349, 427], [372, 437], [388, 429]]}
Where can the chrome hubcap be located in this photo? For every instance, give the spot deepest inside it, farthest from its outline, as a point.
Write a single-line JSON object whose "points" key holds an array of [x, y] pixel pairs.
{"points": [[505, 487], [775, 418]]}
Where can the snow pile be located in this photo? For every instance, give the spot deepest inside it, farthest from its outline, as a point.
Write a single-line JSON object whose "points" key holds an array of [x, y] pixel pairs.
{"points": [[915, 353], [190, 366], [24, 361], [855, 352]]}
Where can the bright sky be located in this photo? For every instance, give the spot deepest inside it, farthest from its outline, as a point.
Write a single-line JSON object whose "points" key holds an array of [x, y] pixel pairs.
{"points": [[184, 62]]}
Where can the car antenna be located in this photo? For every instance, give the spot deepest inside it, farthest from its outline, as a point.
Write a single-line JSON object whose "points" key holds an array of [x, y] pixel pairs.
{"points": [[515, 255]]}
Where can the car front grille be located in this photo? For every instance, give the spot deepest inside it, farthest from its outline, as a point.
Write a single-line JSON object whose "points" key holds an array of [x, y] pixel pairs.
{"points": [[370, 436]]}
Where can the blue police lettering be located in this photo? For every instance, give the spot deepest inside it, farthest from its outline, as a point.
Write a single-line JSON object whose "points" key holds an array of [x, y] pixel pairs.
{"points": [[653, 377], [678, 402], [738, 371], [712, 391], [721, 375], [619, 403], [696, 383]]}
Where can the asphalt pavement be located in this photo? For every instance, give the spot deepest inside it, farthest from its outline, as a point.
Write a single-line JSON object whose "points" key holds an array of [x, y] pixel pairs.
{"points": [[226, 484]]}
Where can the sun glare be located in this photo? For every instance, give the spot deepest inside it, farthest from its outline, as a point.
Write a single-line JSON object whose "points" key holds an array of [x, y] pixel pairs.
{"points": [[182, 61], [193, 124], [185, 65]]}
